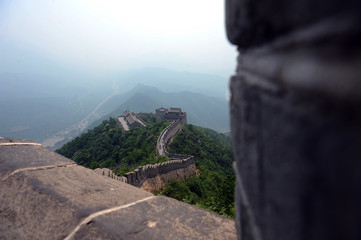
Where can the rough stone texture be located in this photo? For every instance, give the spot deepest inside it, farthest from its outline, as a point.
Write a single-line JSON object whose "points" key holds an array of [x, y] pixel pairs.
{"points": [[27, 156], [159, 218], [48, 203], [57, 199], [158, 182], [295, 119]]}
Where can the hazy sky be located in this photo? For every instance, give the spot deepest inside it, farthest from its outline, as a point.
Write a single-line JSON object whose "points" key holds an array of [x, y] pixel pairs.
{"points": [[104, 36]]}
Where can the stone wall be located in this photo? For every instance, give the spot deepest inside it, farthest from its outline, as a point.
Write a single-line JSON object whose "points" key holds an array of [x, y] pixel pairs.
{"points": [[158, 182], [167, 135], [155, 176], [142, 173], [295, 118], [109, 173]]}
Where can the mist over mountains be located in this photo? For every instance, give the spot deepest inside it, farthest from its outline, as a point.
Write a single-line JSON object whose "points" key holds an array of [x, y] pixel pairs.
{"points": [[202, 110], [40, 107]]}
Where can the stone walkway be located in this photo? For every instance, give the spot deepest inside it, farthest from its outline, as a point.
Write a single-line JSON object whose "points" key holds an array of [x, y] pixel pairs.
{"points": [[123, 123]]}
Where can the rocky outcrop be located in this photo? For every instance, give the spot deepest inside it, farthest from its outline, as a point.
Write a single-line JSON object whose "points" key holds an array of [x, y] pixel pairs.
{"points": [[47, 196]]}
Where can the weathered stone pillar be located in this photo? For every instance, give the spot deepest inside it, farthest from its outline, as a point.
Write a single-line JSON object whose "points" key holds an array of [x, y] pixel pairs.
{"points": [[296, 118]]}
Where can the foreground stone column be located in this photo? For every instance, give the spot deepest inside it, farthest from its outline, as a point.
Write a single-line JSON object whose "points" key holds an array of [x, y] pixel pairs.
{"points": [[296, 118]]}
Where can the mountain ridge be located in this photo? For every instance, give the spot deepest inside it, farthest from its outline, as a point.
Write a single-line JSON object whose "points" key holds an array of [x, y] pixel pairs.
{"points": [[202, 110]]}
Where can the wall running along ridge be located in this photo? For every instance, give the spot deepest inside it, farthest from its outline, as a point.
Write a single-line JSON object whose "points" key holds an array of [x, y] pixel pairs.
{"points": [[109, 173], [142, 173], [180, 167], [166, 136], [154, 177]]}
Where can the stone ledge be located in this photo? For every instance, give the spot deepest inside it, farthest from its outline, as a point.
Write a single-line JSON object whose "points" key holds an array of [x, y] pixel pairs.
{"points": [[11, 140], [16, 157], [51, 202], [159, 218]]}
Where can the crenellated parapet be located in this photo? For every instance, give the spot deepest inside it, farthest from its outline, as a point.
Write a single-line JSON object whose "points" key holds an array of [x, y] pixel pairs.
{"points": [[180, 167], [142, 173], [109, 173]]}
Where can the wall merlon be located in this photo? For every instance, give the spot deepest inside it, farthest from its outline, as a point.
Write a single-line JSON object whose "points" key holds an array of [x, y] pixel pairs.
{"points": [[142, 173]]}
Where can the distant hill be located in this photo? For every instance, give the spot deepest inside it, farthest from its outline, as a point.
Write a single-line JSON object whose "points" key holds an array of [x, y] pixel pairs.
{"points": [[202, 110], [53, 107], [35, 107], [168, 80]]}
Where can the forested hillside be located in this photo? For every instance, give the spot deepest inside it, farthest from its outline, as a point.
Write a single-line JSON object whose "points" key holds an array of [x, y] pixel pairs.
{"points": [[213, 189], [107, 145]]}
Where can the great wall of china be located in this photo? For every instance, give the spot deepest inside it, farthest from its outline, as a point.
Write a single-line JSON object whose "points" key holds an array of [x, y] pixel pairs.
{"points": [[153, 177]]}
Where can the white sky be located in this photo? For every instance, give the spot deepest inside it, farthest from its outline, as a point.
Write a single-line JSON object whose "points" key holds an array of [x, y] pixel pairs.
{"points": [[105, 36]]}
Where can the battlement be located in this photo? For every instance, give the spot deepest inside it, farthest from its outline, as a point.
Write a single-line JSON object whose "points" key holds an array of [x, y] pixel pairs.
{"points": [[109, 173], [142, 173]]}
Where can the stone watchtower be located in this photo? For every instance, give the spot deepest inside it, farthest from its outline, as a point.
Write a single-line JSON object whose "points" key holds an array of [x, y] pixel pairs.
{"points": [[172, 114], [160, 112]]}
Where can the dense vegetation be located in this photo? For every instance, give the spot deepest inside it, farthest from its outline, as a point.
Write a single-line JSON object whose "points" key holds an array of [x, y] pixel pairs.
{"points": [[213, 189], [107, 145]]}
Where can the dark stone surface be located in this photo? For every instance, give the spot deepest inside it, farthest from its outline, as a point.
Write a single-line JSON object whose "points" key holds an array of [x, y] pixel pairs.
{"points": [[298, 159], [253, 23], [295, 119], [159, 218]]}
